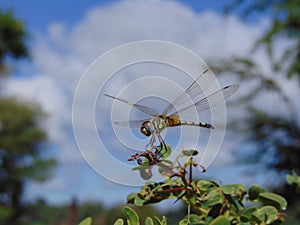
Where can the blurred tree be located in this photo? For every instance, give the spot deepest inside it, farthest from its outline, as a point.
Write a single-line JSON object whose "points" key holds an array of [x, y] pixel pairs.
{"points": [[21, 158], [285, 23], [21, 138], [12, 39], [274, 134]]}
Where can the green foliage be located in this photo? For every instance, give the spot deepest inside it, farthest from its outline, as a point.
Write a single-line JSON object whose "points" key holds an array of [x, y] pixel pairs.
{"points": [[149, 221], [133, 218], [130, 214], [21, 157], [21, 138], [293, 179], [12, 38], [284, 16], [274, 137], [119, 222], [211, 203], [5, 212], [20, 141], [86, 221], [217, 204]]}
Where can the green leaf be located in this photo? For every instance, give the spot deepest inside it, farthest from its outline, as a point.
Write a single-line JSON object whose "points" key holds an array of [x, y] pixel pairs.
{"points": [[119, 222], [273, 199], [237, 203], [246, 214], [235, 194], [234, 189], [265, 215], [86, 221], [164, 151], [220, 220], [293, 179], [214, 211], [192, 219], [138, 201], [205, 185], [190, 152], [149, 221], [214, 197], [131, 215], [184, 222], [131, 197], [187, 153], [163, 221], [254, 191]]}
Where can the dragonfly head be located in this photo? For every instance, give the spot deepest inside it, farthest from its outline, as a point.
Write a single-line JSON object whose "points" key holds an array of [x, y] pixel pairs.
{"points": [[146, 128]]}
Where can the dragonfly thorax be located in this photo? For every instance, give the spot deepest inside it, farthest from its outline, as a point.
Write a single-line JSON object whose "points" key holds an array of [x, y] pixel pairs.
{"points": [[159, 123], [156, 125]]}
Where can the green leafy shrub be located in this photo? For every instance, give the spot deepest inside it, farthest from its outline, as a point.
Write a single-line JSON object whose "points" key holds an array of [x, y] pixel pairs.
{"points": [[207, 201]]}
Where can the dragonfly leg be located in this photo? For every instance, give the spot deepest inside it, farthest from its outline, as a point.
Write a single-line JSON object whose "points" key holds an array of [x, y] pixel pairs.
{"points": [[151, 143], [162, 144]]}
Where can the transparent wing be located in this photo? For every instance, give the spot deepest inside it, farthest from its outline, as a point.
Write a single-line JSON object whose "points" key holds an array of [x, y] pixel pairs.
{"points": [[211, 101], [205, 79], [142, 108], [131, 123]]}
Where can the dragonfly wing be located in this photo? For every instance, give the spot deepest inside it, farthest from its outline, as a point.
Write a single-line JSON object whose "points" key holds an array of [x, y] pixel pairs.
{"points": [[142, 108], [212, 100], [131, 123], [205, 79]]}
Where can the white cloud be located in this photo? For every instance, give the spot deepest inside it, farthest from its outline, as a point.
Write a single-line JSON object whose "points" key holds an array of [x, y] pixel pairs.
{"points": [[43, 90], [62, 55]]}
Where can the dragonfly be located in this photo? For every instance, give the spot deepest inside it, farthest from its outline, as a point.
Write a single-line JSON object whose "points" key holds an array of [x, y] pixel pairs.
{"points": [[170, 117]]}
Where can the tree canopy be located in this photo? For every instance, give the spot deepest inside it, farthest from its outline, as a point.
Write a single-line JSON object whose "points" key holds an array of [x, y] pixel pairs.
{"points": [[274, 136], [22, 139], [12, 38]]}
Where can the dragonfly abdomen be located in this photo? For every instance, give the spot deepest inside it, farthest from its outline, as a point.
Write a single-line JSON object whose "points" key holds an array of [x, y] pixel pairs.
{"points": [[196, 124]]}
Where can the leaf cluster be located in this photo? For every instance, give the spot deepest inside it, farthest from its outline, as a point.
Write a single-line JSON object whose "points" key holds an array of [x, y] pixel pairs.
{"points": [[215, 204], [210, 202], [12, 38], [21, 156], [21, 140], [293, 179]]}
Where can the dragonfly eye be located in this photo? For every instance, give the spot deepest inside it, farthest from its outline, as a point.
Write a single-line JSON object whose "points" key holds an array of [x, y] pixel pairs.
{"points": [[146, 128]]}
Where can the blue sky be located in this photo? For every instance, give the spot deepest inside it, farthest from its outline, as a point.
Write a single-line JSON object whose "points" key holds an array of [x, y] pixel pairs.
{"points": [[37, 15], [66, 38]]}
